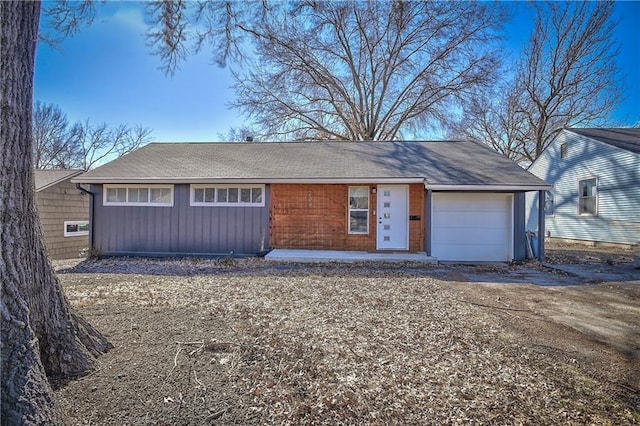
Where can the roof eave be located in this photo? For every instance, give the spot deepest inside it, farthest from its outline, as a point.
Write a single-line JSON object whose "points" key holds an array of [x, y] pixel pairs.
{"points": [[50, 184], [491, 187], [201, 180]]}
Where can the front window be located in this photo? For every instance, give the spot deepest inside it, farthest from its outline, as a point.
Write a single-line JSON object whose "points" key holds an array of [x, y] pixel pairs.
{"points": [[228, 195], [588, 197], [138, 195], [358, 209]]}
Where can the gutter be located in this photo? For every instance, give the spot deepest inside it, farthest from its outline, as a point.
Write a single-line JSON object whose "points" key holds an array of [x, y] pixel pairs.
{"points": [[503, 188], [204, 180], [92, 196]]}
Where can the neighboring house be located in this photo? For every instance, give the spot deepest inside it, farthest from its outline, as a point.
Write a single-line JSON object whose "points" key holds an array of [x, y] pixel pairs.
{"points": [[64, 213], [457, 201], [595, 175]]}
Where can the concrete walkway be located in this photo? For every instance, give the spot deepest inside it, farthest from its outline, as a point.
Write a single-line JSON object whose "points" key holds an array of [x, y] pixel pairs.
{"points": [[317, 256]]}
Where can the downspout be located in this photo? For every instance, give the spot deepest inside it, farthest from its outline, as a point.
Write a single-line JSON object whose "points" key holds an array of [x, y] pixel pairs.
{"points": [[541, 219], [91, 196], [427, 222]]}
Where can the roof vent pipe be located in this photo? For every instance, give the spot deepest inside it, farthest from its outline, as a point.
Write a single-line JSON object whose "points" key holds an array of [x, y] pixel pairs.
{"points": [[249, 139]]}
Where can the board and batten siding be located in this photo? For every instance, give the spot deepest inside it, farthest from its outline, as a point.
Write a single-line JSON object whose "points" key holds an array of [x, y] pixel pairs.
{"points": [[56, 204], [179, 230], [618, 191]]}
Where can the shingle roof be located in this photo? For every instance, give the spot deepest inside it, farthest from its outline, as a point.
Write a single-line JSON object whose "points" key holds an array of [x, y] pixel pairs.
{"points": [[46, 178], [625, 138], [437, 163]]}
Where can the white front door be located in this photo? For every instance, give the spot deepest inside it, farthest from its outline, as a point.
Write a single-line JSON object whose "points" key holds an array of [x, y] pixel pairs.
{"points": [[393, 217]]}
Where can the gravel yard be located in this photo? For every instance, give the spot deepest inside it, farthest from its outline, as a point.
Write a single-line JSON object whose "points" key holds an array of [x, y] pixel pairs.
{"points": [[245, 342]]}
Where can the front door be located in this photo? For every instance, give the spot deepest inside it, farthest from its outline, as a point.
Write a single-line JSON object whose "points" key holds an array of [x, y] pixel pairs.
{"points": [[393, 217]]}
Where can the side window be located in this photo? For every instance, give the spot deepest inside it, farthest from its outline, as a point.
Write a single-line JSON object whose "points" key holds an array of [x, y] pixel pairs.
{"points": [[76, 228], [549, 203], [588, 197], [564, 150]]}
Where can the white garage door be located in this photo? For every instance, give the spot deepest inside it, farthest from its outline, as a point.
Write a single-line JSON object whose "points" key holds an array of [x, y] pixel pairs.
{"points": [[472, 227]]}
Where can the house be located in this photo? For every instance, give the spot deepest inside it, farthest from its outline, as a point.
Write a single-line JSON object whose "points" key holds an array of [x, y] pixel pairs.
{"points": [[64, 213], [457, 201], [595, 175]]}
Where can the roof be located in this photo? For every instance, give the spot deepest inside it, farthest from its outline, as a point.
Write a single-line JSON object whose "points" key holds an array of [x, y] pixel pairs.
{"points": [[442, 163], [46, 178], [622, 137]]}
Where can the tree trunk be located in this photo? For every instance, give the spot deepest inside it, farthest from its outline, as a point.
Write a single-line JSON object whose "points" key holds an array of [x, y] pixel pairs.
{"points": [[40, 335]]}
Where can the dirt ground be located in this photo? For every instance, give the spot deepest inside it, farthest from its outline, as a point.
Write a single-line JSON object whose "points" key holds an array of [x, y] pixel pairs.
{"points": [[249, 342]]}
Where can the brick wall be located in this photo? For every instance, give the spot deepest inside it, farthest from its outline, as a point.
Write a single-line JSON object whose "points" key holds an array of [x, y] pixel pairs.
{"points": [[315, 217]]}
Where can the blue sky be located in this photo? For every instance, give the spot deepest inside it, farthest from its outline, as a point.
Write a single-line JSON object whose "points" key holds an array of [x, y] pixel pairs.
{"points": [[106, 73]]}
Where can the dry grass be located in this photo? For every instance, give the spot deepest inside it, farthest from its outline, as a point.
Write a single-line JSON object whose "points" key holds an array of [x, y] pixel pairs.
{"points": [[315, 348]]}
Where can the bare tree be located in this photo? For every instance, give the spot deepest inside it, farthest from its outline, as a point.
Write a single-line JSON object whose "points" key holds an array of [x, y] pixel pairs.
{"points": [[55, 141], [344, 70], [59, 144], [101, 143], [570, 75], [496, 119], [41, 336], [566, 77]]}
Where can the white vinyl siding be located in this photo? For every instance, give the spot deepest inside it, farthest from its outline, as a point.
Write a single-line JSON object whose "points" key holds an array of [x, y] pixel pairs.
{"points": [[617, 218], [138, 195], [228, 195]]}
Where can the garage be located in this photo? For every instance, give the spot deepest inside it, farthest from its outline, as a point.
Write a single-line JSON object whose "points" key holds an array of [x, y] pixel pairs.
{"points": [[472, 227]]}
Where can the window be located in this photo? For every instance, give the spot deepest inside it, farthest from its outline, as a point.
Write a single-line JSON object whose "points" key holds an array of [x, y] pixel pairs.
{"points": [[548, 203], [76, 228], [138, 195], [563, 150], [227, 195], [588, 197], [358, 209]]}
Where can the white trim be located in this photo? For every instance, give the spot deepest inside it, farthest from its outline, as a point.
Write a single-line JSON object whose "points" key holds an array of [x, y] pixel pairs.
{"points": [[194, 203], [127, 186], [491, 188], [75, 233], [349, 210], [247, 181]]}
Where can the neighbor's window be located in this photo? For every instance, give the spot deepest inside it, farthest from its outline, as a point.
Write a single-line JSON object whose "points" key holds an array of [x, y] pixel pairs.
{"points": [[563, 150], [138, 195], [76, 228], [548, 203], [588, 196], [358, 209], [227, 195]]}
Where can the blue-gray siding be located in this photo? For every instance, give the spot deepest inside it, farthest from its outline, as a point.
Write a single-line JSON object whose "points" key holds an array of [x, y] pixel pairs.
{"points": [[181, 229], [519, 232], [618, 185]]}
